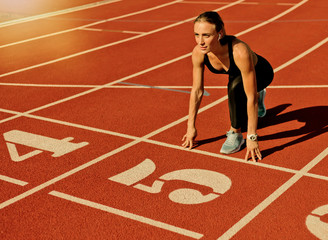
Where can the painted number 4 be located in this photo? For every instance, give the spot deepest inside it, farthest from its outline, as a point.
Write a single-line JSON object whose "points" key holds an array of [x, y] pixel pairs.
{"points": [[39, 142], [216, 181]]}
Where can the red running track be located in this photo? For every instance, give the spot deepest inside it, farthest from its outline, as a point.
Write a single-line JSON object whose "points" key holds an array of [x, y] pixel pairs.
{"points": [[94, 103]]}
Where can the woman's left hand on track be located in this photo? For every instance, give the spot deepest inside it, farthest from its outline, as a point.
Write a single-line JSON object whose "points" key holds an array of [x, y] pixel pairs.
{"points": [[253, 150]]}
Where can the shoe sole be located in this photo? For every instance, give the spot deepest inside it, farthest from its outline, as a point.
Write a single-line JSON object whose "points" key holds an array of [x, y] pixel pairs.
{"points": [[236, 150]]}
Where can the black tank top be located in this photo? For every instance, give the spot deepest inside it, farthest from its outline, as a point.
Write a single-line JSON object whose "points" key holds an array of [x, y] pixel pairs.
{"points": [[233, 69]]}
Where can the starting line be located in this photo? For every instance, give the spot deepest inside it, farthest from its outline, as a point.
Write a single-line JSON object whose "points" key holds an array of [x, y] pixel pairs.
{"points": [[129, 215]]}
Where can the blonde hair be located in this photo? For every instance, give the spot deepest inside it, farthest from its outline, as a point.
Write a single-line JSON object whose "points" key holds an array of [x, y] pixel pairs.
{"points": [[211, 17]]}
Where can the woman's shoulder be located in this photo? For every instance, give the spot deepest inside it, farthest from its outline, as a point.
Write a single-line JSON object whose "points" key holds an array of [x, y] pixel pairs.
{"points": [[197, 56], [240, 48], [242, 53]]}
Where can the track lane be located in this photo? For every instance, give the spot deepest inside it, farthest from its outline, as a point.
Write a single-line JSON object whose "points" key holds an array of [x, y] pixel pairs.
{"points": [[71, 21], [290, 223], [116, 53], [80, 40], [114, 50], [43, 10], [281, 39]]}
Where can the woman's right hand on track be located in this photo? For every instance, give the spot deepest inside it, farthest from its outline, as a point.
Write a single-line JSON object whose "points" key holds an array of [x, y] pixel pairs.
{"points": [[189, 137]]}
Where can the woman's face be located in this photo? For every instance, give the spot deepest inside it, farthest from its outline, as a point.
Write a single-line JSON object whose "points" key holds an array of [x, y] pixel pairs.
{"points": [[206, 36]]}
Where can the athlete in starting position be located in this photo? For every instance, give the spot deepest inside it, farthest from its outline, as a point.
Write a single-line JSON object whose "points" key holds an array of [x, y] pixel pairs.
{"points": [[249, 75]]}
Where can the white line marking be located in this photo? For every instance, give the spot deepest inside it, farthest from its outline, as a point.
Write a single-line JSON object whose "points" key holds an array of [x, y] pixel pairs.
{"points": [[49, 85], [133, 32], [251, 3], [128, 215], [13, 180], [92, 29], [163, 144], [270, 199], [135, 86], [246, 3], [260, 3], [299, 86], [303, 54], [108, 45], [108, 30], [56, 13], [286, 4], [273, 19], [91, 24], [199, 2]]}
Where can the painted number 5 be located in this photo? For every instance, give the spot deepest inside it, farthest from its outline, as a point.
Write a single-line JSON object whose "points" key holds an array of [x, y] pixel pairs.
{"points": [[216, 181], [316, 225]]}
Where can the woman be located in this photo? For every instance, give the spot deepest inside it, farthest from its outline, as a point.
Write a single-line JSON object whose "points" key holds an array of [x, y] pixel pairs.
{"points": [[249, 75]]}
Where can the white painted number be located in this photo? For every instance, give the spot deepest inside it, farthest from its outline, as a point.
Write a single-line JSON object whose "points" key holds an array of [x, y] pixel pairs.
{"points": [[314, 223], [39, 142], [216, 181]]}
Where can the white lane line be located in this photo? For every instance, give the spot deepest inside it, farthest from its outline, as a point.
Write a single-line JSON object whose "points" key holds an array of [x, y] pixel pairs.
{"points": [[128, 215], [303, 54], [246, 3], [168, 145], [270, 199], [13, 180], [108, 30], [92, 29], [144, 86], [131, 32], [286, 4], [298, 86], [274, 18], [109, 44], [261, 3], [201, 2], [56, 13], [94, 86], [91, 24]]}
